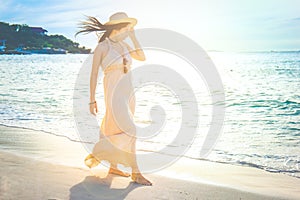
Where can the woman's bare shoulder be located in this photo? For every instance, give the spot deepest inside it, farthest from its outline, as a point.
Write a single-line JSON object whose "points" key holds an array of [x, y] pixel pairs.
{"points": [[101, 48]]}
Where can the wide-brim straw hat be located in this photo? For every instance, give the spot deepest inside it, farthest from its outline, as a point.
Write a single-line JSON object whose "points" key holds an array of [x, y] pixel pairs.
{"points": [[121, 17]]}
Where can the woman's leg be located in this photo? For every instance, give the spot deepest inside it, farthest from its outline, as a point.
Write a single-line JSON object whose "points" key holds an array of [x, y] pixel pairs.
{"points": [[136, 175], [114, 170]]}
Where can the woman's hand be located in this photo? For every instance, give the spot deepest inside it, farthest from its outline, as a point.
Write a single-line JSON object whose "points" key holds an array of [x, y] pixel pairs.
{"points": [[131, 32], [137, 53], [93, 108]]}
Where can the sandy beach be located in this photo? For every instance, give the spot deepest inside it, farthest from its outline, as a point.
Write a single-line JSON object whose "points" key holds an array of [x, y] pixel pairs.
{"points": [[27, 177]]}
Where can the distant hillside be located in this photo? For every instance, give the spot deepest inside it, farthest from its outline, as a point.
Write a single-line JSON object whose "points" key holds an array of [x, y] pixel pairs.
{"points": [[35, 38]]}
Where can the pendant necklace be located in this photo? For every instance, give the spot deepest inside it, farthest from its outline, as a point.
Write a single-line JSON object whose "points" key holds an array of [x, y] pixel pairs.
{"points": [[124, 59]]}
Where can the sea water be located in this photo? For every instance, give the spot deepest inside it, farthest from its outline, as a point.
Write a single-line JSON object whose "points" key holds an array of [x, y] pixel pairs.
{"points": [[262, 104]]}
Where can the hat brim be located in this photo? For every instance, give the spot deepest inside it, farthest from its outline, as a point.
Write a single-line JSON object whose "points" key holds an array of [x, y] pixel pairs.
{"points": [[132, 21]]}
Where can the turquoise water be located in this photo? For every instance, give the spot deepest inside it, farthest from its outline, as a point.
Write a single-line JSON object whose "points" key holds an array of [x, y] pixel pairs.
{"points": [[261, 128]]}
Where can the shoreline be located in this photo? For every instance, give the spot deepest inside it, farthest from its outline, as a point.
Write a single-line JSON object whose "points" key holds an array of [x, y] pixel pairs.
{"points": [[33, 155], [41, 180], [76, 143]]}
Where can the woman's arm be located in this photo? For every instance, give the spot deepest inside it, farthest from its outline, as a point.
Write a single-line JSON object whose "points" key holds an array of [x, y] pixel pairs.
{"points": [[138, 53], [97, 58]]}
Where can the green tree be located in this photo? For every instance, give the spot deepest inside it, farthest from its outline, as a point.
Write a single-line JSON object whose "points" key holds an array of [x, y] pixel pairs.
{"points": [[17, 34]]}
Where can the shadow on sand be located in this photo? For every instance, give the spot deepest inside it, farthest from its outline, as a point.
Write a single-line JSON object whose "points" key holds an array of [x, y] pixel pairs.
{"points": [[110, 187]]}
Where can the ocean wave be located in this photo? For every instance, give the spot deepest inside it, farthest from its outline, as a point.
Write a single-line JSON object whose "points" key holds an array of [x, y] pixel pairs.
{"points": [[48, 132], [290, 172]]}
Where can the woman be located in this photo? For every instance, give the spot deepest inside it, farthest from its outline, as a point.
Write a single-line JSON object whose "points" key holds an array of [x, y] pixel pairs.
{"points": [[114, 56]]}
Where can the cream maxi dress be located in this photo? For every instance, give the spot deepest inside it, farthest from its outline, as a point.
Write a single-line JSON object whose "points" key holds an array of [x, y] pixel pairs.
{"points": [[114, 145]]}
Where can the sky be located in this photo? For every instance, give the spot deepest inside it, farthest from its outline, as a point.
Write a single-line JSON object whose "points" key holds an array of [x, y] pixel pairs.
{"points": [[223, 25]]}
